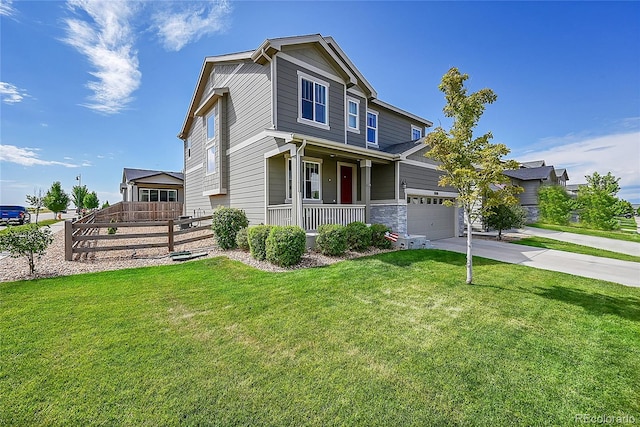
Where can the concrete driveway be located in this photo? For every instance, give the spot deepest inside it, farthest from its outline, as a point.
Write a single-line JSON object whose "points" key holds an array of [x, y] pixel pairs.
{"points": [[620, 246], [623, 272]]}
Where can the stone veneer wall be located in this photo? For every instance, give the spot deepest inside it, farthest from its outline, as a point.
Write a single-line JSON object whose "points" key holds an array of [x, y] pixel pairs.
{"points": [[393, 216], [532, 214]]}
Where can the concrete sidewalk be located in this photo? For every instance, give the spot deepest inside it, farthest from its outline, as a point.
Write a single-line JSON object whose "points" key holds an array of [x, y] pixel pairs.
{"points": [[620, 246], [623, 272]]}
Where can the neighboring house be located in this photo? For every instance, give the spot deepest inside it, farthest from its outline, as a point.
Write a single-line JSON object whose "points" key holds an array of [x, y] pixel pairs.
{"points": [[141, 185], [531, 176], [293, 133]]}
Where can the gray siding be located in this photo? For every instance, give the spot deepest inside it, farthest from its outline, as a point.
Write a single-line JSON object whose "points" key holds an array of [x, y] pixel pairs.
{"points": [[277, 180], [383, 179], [530, 195], [358, 139], [309, 55], [248, 104], [392, 127], [420, 157], [422, 178], [287, 102]]}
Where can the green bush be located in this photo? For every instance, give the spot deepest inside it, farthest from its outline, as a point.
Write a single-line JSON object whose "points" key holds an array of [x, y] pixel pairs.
{"points": [[377, 236], [242, 240], [112, 230], [554, 205], [285, 245], [226, 224], [29, 241], [332, 239], [258, 241], [358, 236]]}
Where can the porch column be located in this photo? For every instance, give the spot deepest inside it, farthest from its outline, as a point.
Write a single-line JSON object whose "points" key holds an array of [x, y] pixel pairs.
{"points": [[365, 188], [296, 186]]}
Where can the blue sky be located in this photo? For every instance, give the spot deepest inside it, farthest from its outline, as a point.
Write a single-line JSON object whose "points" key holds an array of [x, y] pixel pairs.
{"points": [[91, 87]]}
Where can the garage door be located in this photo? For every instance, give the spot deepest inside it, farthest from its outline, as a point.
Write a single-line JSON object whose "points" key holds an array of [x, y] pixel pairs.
{"points": [[429, 217]]}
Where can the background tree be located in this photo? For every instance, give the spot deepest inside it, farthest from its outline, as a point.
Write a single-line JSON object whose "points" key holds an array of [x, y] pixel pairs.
{"points": [[36, 200], [554, 205], [470, 164], [91, 200], [56, 200], [504, 217], [597, 201], [78, 193], [29, 241], [105, 204]]}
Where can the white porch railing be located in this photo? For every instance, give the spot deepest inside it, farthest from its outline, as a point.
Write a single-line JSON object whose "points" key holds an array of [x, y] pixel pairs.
{"points": [[314, 215], [279, 215]]}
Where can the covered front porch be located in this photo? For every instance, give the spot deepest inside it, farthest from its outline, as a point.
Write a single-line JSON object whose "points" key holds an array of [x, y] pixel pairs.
{"points": [[314, 183]]}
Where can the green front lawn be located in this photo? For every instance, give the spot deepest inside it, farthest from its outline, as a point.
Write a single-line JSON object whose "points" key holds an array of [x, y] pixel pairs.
{"points": [[394, 339], [580, 229], [543, 242], [628, 223]]}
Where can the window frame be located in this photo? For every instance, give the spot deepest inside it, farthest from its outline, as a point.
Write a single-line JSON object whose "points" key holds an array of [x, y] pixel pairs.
{"points": [[158, 191], [289, 178], [418, 129], [305, 163], [376, 128], [315, 82], [211, 144], [349, 115], [211, 162]]}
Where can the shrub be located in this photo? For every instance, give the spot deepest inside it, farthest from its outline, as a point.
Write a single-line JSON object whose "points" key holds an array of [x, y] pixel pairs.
{"points": [[358, 236], [332, 239], [285, 245], [377, 236], [112, 230], [28, 241], [225, 225], [242, 240], [258, 241], [504, 217]]}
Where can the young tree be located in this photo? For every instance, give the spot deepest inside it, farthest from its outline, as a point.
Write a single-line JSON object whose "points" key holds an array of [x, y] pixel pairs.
{"points": [[29, 241], [470, 164], [597, 201], [554, 204], [36, 200], [504, 217], [56, 199], [78, 193], [91, 200]]}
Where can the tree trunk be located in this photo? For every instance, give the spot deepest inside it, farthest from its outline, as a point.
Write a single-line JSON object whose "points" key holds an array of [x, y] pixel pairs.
{"points": [[469, 257]]}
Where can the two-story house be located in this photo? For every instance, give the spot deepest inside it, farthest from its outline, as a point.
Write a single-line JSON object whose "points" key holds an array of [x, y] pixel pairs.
{"points": [[293, 133]]}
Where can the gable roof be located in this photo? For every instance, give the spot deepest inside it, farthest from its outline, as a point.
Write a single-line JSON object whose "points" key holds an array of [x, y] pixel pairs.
{"points": [[533, 164], [562, 171], [531, 173], [130, 174]]}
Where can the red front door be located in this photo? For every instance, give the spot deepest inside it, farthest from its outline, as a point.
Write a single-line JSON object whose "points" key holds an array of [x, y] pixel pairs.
{"points": [[346, 182]]}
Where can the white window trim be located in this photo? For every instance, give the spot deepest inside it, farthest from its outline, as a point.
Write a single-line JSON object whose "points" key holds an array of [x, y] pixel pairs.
{"points": [[211, 143], [418, 129], [377, 127], [315, 80], [213, 113], [357, 102], [149, 190]]}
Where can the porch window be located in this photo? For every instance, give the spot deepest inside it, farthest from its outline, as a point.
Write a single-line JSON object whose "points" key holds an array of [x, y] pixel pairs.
{"points": [[312, 180], [158, 195], [313, 101], [372, 127]]}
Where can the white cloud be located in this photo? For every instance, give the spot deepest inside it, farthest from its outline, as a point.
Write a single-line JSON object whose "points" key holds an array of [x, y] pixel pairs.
{"points": [[105, 37], [27, 157], [11, 94], [178, 28], [616, 153], [6, 7]]}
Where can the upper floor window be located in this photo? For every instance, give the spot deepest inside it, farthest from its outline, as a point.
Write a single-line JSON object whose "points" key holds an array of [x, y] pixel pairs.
{"points": [[211, 159], [416, 133], [372, 127], [211, 125], [353, 110], [313, 102], [187, 148]]}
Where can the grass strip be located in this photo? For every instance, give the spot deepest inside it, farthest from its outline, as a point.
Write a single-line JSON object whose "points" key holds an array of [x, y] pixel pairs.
{"points": [[614, 234], [543, 242]]}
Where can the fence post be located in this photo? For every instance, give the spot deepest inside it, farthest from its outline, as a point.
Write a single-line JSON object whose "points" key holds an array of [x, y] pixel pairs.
{"points": [[170, 223], [68, 240]]}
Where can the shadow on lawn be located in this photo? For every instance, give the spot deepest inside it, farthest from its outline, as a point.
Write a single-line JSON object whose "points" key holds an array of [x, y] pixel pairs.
{"points": [[408, 257], [595, 303]]}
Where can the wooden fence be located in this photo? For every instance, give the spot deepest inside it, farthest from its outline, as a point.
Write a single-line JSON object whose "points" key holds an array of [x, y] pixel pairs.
{"points": [[140, 211], [83, 236]]}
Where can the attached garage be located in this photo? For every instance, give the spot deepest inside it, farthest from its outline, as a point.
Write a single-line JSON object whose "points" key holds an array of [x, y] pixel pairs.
{"points": [[429, 216]]}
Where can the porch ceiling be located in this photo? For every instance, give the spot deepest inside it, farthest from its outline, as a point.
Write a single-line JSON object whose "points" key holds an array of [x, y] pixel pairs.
{"points": [[312, 149]]}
